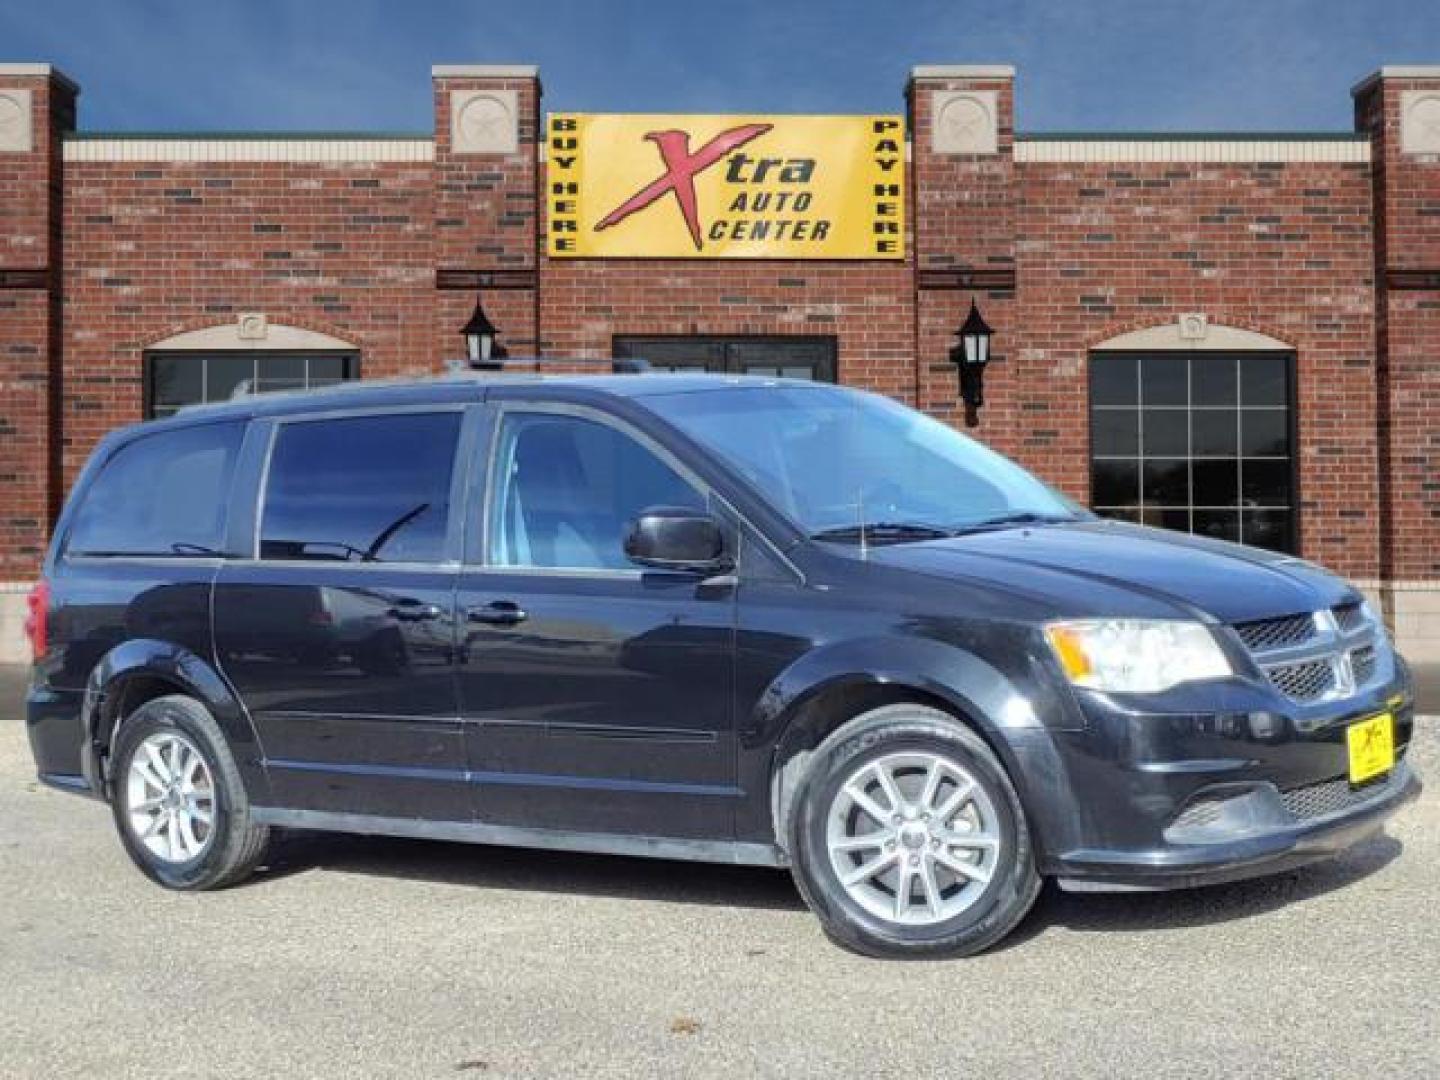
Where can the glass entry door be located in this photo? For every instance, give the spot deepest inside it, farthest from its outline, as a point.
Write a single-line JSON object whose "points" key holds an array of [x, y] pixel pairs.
{"points": [[778, 357]]}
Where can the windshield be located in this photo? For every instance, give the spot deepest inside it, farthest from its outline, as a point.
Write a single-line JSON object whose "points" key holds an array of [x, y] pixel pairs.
{"points": [[839, 462]]}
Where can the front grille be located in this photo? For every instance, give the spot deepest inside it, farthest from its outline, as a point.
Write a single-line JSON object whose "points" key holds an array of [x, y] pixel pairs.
{"points": [[1264, 634], [1362, 662], [1330, 797], [1304, 681], [1349, 617]]}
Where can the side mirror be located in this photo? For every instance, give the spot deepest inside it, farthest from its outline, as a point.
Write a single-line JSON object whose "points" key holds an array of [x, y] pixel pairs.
{"points": [[676, 538]]}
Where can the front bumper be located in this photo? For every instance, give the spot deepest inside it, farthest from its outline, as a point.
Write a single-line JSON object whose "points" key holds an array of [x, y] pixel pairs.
{"points": [[1171, 794], [1250, 850]]}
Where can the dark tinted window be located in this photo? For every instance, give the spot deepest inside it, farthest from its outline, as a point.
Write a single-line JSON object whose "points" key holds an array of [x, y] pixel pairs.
{"points": [[174, 380], [367, 488], [771, 357], [567, 488], [1195, 441], [163, 494]]}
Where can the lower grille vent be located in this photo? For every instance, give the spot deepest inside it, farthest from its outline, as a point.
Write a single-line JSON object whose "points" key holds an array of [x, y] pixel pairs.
{"points": [[1330, 797]]}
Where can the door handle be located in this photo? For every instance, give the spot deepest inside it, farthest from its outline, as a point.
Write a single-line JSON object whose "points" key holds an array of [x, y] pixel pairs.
{"points": [[410, 611], [499, 613]]}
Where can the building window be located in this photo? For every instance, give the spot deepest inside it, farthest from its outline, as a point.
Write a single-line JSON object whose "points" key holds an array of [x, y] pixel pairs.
{"points": [[777, 357], [1200, 442], [174, 380]]}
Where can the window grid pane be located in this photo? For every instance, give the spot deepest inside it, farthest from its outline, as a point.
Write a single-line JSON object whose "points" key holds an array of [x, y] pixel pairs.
{"points": [[798, 357], [1199, 443], [175, 380]]}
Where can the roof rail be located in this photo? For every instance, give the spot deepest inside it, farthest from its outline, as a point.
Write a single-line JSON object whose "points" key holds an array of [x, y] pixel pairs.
{"points": [[620, 365]]}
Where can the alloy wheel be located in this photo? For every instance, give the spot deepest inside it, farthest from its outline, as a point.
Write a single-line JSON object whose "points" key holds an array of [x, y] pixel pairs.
{"points": [[170, 798], [913, 838]]}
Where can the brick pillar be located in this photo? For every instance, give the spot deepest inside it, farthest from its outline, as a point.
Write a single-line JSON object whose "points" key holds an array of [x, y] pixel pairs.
{"points": [[1400, 108], [487, 129], [963, 206], [37, 105]]}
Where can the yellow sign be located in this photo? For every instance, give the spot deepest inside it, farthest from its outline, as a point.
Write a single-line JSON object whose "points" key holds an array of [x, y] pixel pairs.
{"points": [[1371, 744], [728, 187]]}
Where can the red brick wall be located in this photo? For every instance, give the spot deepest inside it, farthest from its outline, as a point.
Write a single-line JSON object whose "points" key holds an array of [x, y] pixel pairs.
{"points": [[157, 248], [1061, 257], [30, 358], [1101, 249], [486, 215], [1283, 249], [964, 222], [1407, 205], [866, 306]]}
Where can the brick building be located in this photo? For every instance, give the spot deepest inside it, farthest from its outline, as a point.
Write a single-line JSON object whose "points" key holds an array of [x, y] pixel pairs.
{"points": [[1234, 334]]}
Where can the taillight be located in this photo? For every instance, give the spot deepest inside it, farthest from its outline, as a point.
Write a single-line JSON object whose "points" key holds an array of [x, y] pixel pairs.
{"points": [[37, 617]]}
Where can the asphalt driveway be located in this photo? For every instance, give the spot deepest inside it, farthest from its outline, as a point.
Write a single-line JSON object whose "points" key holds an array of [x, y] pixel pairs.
{"points": [[360, 957]]}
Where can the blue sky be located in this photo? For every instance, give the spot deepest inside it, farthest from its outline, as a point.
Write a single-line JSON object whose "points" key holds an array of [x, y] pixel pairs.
{"points": [[364, 64]]}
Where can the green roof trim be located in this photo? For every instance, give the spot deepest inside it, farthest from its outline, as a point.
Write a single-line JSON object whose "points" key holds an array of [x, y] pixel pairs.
{"points": [[251, 136], [1191, 136]]}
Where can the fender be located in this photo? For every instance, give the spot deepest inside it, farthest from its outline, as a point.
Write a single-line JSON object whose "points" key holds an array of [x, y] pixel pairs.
{"points": [[1016, 720], [191, 674]]}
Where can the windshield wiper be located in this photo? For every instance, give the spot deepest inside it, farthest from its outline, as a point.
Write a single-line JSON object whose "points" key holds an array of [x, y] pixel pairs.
{"points": [[883, 531], [1019, 517], [371, 553]]}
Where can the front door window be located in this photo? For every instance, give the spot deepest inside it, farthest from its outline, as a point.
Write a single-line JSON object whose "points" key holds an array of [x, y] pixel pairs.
{"points": [[568, 487]]}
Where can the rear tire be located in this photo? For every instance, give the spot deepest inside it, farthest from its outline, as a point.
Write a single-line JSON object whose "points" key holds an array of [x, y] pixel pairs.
{"points": [[172, 769], [908, 840]]}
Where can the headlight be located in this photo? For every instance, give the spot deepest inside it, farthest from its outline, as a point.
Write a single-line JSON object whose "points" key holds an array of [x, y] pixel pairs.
{"points": [[1136, 655]]}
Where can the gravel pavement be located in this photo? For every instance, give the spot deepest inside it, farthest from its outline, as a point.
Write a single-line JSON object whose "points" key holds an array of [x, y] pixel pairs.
{"points": [[358, 957]]}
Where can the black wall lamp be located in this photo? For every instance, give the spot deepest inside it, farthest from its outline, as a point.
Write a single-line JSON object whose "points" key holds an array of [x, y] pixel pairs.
{"points": [[482, 340], [971, 355]]}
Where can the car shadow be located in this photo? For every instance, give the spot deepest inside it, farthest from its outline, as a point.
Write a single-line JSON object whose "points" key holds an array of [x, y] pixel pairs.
{"points": [[667, 881], [1130, 912], [530, 870]]}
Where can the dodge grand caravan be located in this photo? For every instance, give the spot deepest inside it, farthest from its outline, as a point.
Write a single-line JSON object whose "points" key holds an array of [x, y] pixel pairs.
{"points": [[693, 617]]}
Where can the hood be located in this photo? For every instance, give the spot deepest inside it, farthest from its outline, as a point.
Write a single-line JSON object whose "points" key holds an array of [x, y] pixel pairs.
{"points": [[1081, 567]]}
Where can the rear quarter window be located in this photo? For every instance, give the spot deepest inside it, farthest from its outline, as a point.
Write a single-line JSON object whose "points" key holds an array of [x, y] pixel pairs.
{"points": [[164, 493]]}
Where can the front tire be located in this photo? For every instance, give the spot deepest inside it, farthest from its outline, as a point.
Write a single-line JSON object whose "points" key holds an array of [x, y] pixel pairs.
{"points": [[908, 840], [178, 801]]}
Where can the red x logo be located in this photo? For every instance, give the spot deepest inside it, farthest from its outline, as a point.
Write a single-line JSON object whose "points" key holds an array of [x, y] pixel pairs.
{"points": [[681, 168]]}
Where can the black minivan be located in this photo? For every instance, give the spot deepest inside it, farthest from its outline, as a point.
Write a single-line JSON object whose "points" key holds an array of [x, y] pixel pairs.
{"points": [[693, 617]]}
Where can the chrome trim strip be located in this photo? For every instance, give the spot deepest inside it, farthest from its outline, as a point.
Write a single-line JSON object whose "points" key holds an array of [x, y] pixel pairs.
{"points": [[505, 779], [210, 561], [260, 489], [1330, 645], [623, 732], [342, 564], [558, 571]]}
